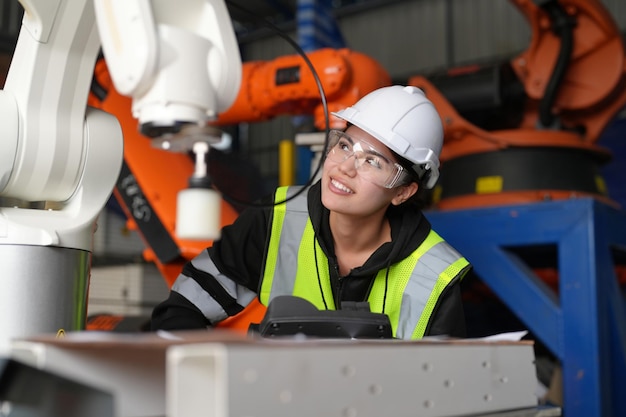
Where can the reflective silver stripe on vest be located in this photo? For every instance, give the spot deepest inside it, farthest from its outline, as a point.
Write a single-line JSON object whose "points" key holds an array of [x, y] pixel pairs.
{"points": [[290, 238], [193, 292], [421, 284]]}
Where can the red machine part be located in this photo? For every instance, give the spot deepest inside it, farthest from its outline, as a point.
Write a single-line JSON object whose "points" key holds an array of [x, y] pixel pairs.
{"points": [[585, 97]]}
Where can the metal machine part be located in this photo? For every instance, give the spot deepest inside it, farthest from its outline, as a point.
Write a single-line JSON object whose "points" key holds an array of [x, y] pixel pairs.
{"points": [[44, 290], [187, 137], [179, 61], [195, 373], [195, 202], [350, 378], [285, 85], [46, 137], [198, 207], [557, 96], [61, 159], [162, 41]]}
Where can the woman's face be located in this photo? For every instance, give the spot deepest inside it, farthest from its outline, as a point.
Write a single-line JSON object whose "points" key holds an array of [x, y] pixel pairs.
{"points": [[346, 189]]}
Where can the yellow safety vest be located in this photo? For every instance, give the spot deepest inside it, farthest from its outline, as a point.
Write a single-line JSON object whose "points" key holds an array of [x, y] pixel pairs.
{"points": [[413, 288]]}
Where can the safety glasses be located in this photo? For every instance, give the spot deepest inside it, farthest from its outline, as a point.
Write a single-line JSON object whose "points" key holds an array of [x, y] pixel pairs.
{"points": [[369, 163]]}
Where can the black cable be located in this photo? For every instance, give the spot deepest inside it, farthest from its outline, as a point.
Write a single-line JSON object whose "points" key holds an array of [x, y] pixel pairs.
{"points": [[386, 286], [562, 25], [318, 82], [317, 269]]}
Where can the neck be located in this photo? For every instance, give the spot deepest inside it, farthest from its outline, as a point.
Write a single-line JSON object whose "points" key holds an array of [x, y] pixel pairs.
{"points": [[357, 239], [359, 234]]}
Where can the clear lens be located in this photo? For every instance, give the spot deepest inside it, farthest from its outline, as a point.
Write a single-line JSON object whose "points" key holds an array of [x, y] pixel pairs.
{"points": [[371, 164]]}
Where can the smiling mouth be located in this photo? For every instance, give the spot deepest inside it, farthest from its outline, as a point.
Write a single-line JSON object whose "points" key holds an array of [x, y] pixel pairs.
{"points": [[340, 186]]}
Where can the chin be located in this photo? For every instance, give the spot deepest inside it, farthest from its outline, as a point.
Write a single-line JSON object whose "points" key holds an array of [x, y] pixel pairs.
{"points": [[336, 203], [328, 201]]}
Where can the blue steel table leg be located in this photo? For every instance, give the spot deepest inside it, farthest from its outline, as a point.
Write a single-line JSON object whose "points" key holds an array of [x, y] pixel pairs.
{"points": [[612, 224], [584, 263], [585, 324]]}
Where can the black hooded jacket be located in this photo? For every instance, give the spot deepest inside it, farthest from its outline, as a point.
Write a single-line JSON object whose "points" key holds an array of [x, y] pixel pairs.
{"points": [[240, 254]]}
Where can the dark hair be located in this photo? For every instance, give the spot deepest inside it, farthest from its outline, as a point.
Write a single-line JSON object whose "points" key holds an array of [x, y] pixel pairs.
{"points": [[423, 197]]}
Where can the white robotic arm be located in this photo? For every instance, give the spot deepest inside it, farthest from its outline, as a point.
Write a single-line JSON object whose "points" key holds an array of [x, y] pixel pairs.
{"points": [[52, 147], [178, 60], [180, 63], [59, 163], [59, 160]]}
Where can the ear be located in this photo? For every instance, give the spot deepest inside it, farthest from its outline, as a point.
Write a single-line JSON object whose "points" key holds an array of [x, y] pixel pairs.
{"points": [[404, 192]]}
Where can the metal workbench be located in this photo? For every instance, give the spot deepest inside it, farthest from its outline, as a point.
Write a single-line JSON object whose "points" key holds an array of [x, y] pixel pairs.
{"points": [[221, 374], [584, 322]]}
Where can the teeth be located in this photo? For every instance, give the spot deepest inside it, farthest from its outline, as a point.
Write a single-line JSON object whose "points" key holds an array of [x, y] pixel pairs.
{"points": [[341, 186]]}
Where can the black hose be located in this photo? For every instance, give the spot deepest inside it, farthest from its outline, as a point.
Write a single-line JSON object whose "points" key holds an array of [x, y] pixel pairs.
{"points": [[562, 26]]}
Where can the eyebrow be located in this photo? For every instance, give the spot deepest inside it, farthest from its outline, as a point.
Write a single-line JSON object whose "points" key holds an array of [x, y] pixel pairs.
{"points": [[376, 153], [346, 136], [370, 151]]}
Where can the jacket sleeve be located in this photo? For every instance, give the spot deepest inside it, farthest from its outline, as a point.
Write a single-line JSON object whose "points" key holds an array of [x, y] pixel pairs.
{"points": [[177, 313], [449, 317], [221, 280]]}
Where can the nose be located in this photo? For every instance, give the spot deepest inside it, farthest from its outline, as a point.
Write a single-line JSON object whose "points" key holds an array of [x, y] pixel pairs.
{"points": [[348, 166]]}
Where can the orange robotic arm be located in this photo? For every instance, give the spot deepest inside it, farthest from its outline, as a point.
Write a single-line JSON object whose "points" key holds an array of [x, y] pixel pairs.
{"points": [[287, 86], [590, 90], [565, 88]]}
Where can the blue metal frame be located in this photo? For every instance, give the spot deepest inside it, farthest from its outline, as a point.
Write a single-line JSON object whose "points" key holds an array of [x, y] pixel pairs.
{"points": [[585, 324]]}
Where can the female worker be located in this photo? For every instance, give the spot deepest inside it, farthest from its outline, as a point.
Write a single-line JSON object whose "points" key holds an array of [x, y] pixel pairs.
{"points": [[355, 235]]}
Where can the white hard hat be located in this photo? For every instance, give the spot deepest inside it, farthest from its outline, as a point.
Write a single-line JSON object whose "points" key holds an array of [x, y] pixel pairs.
{"points": [[404, 120]]}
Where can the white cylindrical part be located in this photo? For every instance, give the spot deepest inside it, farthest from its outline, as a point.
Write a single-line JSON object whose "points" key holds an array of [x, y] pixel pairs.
{"points": [[198, 214]]}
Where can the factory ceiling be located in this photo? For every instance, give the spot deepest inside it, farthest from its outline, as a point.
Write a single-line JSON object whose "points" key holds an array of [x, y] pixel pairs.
{"points": [[249, 17]]}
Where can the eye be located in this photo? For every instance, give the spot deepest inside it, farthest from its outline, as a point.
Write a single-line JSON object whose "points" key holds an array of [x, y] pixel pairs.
{"points": [[373, 161], [344, 145]]}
